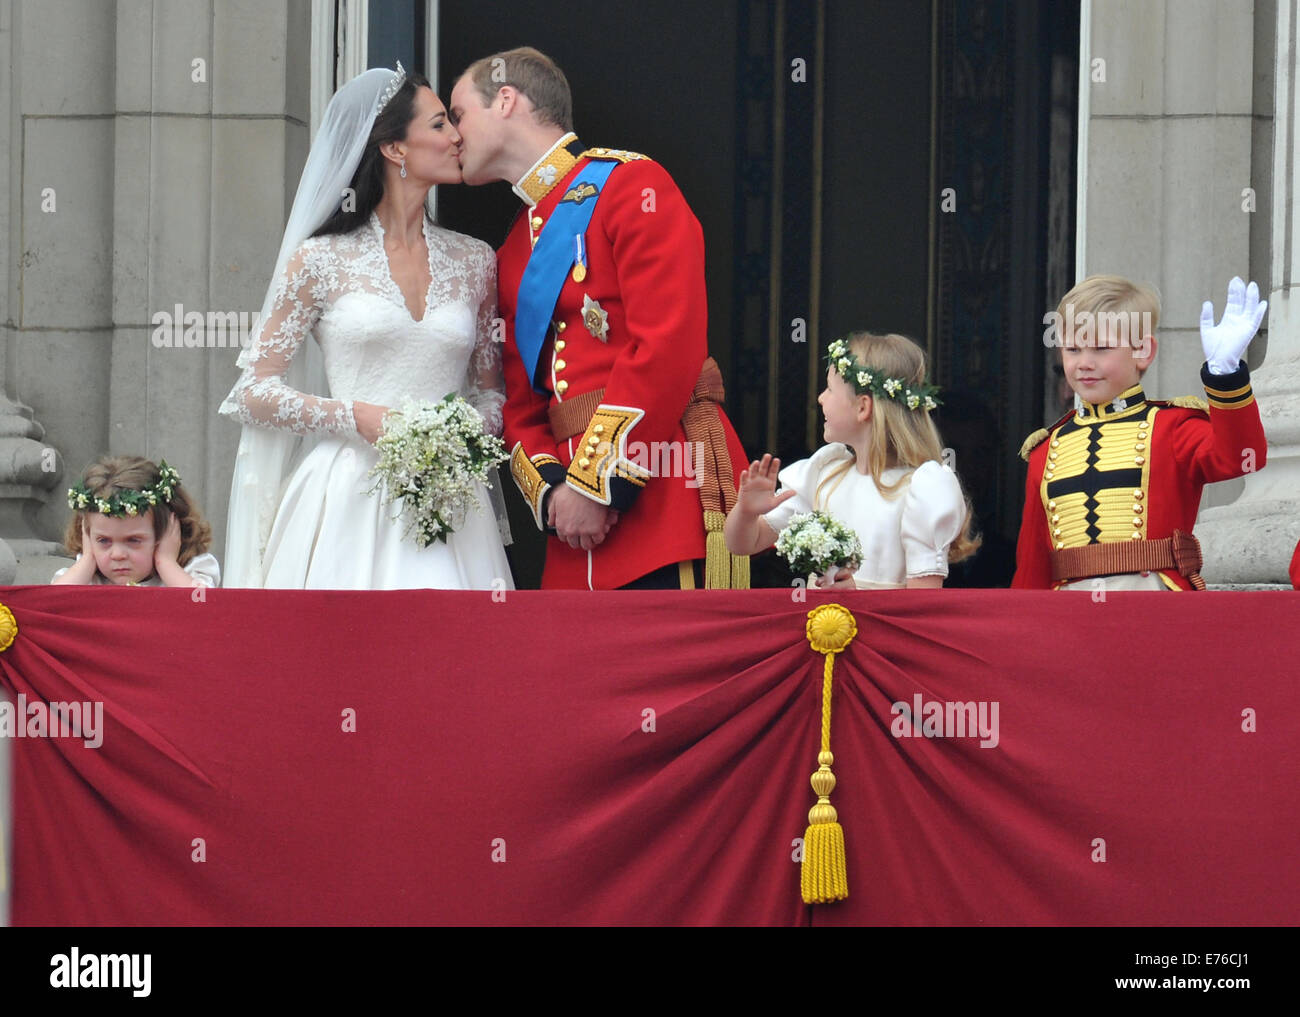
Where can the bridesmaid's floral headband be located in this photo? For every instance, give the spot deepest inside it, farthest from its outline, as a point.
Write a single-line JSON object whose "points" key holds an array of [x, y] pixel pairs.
{"points": [[866, 381], [128, 502]]}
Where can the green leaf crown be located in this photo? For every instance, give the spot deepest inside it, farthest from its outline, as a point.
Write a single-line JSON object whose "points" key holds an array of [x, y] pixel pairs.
{"points": [[127, 502], [868, 381]]}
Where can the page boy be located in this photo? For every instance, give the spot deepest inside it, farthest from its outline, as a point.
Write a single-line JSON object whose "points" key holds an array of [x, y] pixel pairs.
{"points": [[1114, 487]]}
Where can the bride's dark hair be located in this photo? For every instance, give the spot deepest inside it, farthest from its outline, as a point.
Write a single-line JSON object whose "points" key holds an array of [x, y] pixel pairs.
{"points": [[368, 180]]}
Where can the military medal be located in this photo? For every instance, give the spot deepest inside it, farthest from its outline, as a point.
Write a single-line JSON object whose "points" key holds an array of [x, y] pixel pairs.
{"points": [[579, 258]]}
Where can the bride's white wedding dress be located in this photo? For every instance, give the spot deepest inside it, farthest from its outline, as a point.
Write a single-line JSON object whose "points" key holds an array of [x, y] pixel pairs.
{"points": [[328, 532]]}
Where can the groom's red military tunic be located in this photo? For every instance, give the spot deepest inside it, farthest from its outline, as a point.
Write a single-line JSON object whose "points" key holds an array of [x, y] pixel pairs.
{"points": [[618, 367]]}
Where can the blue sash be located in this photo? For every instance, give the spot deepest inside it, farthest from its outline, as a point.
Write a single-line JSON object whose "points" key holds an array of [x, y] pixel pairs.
{"points": [[549, 264]]}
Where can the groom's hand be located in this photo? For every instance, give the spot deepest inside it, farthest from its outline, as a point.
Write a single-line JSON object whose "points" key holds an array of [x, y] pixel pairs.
{"points": [[578, 521]]}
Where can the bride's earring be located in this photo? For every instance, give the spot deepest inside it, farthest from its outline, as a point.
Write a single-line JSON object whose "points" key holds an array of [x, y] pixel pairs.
{"points": [[403, 174]]}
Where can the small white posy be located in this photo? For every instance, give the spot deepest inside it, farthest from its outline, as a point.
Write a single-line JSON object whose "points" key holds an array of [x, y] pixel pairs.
{"points": [[817, 542]]}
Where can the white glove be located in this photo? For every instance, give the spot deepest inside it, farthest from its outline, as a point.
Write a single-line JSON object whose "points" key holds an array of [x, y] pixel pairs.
{"points": [[1225, 343]]}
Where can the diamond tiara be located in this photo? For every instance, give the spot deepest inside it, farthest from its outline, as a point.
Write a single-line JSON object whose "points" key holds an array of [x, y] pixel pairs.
{"points": [[399, 77]]}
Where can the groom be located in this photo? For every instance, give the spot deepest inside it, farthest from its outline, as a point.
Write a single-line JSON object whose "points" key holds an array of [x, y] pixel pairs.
{"points": [[612, 408]]}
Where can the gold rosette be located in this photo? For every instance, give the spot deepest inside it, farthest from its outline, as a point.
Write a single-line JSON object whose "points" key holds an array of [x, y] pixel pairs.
{"points": [[8, 628]]}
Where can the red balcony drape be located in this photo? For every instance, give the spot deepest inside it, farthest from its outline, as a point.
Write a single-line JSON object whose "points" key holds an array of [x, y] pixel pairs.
{"points": [[503, 768]]}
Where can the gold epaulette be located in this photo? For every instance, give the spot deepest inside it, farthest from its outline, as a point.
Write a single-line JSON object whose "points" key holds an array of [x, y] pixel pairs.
{"points": [[1190, 403], [1032, 442], [622, 155]]}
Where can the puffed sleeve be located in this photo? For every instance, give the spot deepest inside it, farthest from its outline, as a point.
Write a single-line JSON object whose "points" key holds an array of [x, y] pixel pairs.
{"points": [[933, 513], [205, 569], [802, 477]]}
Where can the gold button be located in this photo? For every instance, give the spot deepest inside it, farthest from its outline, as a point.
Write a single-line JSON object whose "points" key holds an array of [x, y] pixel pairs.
{"points": [[1136, 536], [1139, 460], [1139, 446], [1142, 424], [1059, 545], [598, 429], [584, 462], [1051, 456], [561, 387], [559, 345], [1048, 474], [560, 326], [1055, 442], [537, 222], [1137, 507], [560, 365], [1056, 533], [1052, 505], [1137, 521], [1137, 493], [1056, 518]]}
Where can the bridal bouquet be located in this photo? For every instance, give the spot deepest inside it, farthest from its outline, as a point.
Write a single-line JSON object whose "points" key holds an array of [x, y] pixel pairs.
{"points": [[430, 457], [817, 543]]}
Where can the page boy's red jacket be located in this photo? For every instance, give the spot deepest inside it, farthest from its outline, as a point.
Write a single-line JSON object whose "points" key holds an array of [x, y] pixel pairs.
{"points": [[1132, 469]]}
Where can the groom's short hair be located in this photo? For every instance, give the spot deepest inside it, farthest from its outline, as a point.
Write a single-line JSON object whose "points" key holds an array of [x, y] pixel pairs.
{"points": [[534, 74]]}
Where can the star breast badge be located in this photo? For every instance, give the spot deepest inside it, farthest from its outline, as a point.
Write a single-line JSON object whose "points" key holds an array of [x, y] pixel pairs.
{"points": [[596, 318]]}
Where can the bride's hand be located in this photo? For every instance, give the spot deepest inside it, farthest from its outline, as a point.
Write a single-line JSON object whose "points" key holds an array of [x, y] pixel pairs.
{"points": [[370, 420]]}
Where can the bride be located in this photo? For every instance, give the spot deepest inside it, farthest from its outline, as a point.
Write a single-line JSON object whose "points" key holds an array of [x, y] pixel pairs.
{"points": [[399, 308]]}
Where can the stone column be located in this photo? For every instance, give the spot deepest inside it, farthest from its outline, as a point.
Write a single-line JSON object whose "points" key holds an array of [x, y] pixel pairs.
{"points": [[1249, 543], [1180, 188], [153, 150], [205, 171]]}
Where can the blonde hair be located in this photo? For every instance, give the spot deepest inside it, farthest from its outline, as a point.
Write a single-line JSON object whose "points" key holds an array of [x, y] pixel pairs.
{"points": [[899, 436], [1108, 295], [109, 474]]}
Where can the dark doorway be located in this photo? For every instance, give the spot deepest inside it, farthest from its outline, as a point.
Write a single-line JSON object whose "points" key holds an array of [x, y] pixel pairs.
{"points": [[814, 141]]}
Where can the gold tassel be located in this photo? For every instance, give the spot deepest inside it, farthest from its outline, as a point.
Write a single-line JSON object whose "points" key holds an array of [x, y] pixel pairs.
{"points": [[740, 572], [824, 873], [722, 569], [717, 560]]}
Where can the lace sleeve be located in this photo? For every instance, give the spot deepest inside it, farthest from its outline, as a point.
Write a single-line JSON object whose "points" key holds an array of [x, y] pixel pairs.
{"points": [[261, 396], [484, 383]]}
